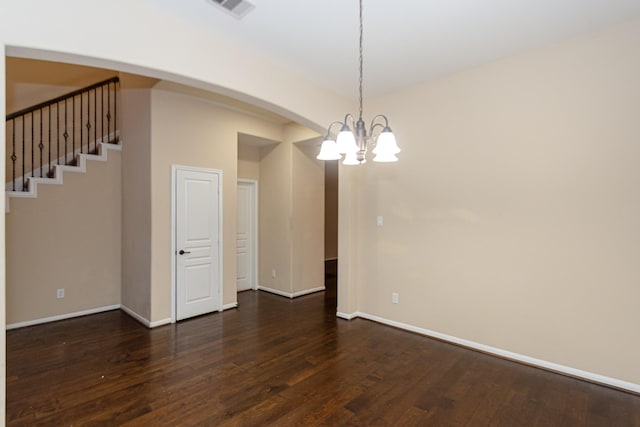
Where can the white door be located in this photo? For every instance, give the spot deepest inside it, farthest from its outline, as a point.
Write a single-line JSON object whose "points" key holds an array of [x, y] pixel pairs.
{"points": [[198, 261], [246, 237]]}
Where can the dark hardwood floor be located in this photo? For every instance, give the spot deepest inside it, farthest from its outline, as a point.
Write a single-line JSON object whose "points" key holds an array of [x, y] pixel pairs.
{"points": [[274, 361]]}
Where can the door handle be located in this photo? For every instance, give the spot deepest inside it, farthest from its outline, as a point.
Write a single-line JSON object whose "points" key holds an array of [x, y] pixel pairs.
{"points": [[182, 252]]}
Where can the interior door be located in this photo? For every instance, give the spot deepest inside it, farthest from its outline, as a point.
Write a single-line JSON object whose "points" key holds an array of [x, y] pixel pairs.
{"points": [[245, 236], [198, 260]]}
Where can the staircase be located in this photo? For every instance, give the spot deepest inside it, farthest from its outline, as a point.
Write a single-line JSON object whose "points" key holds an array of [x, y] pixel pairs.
{"points": [[57, 136]]}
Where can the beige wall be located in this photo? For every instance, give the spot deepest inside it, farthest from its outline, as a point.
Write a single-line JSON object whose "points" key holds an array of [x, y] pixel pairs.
{"points": [[307, 254], [511, 219], [274, 222], [31, 81], [331, 209], [68, 237], [136, 197], [192, 132], [248, 162]]}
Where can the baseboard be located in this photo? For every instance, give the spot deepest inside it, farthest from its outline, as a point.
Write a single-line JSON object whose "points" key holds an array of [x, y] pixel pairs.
{"points": [[274, 291], [527, 360], [230, 306], [62, 317], [347, 316], [291, 294], [146, 322], [141, 319], [160, 322], [308, 291]]}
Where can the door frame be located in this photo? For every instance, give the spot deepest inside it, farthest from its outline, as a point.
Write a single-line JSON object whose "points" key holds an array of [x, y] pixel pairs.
{"points": [[254, 231], [174, 183]]}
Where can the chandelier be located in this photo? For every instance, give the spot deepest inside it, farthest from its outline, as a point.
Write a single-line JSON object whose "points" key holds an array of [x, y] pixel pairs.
{"points": [[354, 147]]}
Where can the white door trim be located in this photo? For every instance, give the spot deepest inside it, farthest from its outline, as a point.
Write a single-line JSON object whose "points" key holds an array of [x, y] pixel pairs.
{"points": [[254, 230], [174, 174]]}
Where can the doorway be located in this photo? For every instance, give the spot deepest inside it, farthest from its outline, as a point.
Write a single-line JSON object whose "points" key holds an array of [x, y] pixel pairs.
{"points": [[247, 235], [197, 207]]}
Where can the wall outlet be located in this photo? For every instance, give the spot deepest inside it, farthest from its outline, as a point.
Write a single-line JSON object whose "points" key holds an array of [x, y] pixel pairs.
{"points": [[273, 273], [60, 293], [394, 297], [380, 221]]}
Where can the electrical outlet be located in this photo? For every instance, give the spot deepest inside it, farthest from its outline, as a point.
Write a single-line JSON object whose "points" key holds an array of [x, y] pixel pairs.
{"points": [[60, 293], [394, 297], [380, 221], [273, 273]]}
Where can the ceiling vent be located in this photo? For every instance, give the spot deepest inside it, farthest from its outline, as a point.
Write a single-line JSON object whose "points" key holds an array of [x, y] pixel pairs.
{"points": [[237, 8]]}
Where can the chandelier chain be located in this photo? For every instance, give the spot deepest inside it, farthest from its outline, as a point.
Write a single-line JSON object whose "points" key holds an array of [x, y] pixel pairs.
{"points": [[360, 81]]}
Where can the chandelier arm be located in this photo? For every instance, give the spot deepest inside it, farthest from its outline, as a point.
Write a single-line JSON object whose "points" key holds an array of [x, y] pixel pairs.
{"points": [[330, 126], [373, 127], [346, 120], [386, 121]]}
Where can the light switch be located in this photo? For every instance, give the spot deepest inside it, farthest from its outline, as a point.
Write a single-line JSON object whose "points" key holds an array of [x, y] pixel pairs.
{"points": [[380, 221]]}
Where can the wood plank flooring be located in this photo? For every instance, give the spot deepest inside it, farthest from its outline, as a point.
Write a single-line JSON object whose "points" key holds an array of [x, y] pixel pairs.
{"points": [[274, 361]]}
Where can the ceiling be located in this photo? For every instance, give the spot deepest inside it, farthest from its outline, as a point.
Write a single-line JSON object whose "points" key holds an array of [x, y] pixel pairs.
{"points": [[405, 41]]}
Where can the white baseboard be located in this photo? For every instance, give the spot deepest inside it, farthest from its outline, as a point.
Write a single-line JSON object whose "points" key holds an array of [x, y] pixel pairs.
{"points": [[136, 316], [229, 306], [146, 322], [291, 294], [550, 366], [160, 322], [308, 291], [274, 291], [347, 316], [62, 317]]}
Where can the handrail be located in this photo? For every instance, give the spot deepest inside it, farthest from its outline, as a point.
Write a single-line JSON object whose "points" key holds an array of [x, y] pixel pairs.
{"points": [[54, 132], [60, 98]]}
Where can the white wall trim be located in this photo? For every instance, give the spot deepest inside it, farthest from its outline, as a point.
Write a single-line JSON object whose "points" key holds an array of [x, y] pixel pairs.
{"points": [[347, 316], [308, 291], [136, 316], [160, 322], [230, 306], [550, 366], [275, 291], [62, 317], [146, 322], [291, 294]]}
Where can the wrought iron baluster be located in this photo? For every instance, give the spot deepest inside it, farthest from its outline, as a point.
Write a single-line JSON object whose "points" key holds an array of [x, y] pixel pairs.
{"points": [[95, 119], [73, 129], [115, 111], [66, 133], [41, 145], [58, 130], [49, 143], [109, 112], [33, 164], [102, 111], [81, 111], [24, 187], [13, 155]]}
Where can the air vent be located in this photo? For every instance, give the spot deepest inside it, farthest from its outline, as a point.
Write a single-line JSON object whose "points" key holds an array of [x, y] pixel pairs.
{"points": [[237, 8]]}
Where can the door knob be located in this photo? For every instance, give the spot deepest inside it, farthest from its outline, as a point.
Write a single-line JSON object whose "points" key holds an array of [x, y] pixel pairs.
{"points": [[182, 252]]}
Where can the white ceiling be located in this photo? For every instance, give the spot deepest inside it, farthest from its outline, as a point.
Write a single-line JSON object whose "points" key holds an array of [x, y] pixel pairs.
{"points": [[405, 41]]}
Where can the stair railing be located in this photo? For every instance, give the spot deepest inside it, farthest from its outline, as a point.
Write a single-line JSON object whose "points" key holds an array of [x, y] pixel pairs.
{"points": [[54, 132]]}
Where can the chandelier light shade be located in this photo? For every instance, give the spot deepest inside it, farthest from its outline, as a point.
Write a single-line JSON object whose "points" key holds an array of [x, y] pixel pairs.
{"points": [[354, 144]]}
